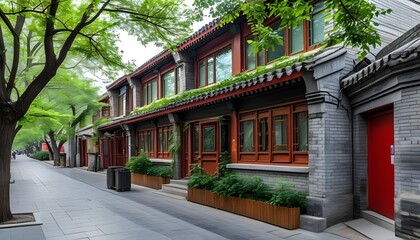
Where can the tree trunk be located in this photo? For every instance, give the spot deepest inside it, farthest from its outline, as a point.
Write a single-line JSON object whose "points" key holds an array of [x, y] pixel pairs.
{"points": [[54, 148], [7, 130]]}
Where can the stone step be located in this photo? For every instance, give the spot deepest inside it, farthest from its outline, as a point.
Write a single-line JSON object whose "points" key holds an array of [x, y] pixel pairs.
{"points": [[176, 189], [371, 230], [379, 220], [180, 181]]}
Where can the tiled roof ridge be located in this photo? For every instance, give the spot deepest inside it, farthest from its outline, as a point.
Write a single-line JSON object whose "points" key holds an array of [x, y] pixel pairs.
{"points": [[405, 53], [317, 57], [207, 26]]}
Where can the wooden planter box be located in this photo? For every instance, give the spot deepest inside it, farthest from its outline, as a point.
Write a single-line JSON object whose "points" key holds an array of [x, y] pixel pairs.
{"points": [[148, 181], [280, 216]]}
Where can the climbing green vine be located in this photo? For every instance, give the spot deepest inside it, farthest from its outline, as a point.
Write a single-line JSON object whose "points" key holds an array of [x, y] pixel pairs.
{"points": [[259, 71]]}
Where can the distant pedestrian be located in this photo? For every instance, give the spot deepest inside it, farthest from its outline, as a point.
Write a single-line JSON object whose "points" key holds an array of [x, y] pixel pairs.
{"points": [[14, 155]]}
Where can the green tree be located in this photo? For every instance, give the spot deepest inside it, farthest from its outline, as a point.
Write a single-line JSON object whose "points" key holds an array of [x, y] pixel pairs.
{"points": [[74, 97], [37, 38], [354, 23]]}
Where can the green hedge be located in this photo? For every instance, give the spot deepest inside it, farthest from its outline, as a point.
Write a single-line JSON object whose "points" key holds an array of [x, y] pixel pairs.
{"points": [[142, 164], [40, 155], [250, 188]]}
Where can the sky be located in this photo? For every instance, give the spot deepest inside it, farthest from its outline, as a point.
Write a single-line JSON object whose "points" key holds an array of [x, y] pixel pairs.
{"points": [[141, 54]]}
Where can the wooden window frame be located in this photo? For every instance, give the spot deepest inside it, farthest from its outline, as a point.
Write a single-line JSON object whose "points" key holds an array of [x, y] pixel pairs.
{"points": [[205, 61], [204, 125], [307, 46], [163, 146], [271, 156], [147, 132], [176, 81], [122, 101], [147, 95]]}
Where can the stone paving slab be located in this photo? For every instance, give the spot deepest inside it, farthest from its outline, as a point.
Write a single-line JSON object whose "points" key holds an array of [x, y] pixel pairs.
{"points": [[75, 204]]}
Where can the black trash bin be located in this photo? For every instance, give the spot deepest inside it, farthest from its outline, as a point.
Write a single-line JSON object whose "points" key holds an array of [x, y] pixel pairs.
{"points": [[63, 159], [110, 176], [122, 179]]}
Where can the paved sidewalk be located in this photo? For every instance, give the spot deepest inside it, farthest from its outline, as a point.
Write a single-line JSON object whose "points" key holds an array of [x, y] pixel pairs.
{"points": [[75, 204]]}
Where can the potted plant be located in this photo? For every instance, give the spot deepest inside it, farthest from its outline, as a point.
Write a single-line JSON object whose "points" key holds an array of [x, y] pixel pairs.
{"points": [[144, 173], [249, 197]]}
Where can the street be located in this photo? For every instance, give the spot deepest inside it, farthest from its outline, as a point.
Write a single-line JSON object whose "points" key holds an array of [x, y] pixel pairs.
{"points": [[76, 204]]}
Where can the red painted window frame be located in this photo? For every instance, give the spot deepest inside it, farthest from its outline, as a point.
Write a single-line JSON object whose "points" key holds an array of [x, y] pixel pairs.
{"points": [[289, 156]]}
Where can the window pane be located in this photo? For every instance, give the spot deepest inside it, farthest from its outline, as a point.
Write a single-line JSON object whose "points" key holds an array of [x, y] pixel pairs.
{"points": [[149, 93], [247, 134], [280, 133], [297, 38], [169, 84], [196, 138], [154, 90], [301, 128], [263, 135], [278, 51], [317, 26], [210, 70], [224, 65], [250, 57], [261, 58], [209, 138], [202, 74], [145, 94]]}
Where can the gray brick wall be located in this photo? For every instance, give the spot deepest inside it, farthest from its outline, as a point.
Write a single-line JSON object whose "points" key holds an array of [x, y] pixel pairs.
{"points": [[407, 163], [298, 180], [329, 136], [360, 146], [330, 160], [186, 64]]}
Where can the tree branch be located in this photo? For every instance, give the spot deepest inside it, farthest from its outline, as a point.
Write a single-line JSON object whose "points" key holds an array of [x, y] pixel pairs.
{"points": [[16, 54], [2, 66]]}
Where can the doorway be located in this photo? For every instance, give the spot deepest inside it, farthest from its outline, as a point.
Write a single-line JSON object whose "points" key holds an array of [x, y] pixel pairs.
{"points": [[381, 163]]}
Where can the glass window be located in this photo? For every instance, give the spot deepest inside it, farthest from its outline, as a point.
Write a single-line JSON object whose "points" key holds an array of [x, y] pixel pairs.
{"points": [[261, 58], [247, 136], [296, 40], [280, 138], [301, 129], [317, 24], [164, 134], [209, 139], [202, 74], [169, 84], [250, 56], [150, 92], [263, 135], [224, 65], [210, 70], [146, 142], [279, 50], [154, 90]]}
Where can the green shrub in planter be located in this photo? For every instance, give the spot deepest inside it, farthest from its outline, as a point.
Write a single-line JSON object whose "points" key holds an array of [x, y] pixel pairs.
{"points": [[139, 164], [202, 181], [159, 171], [40, 155], [289, 198], [243, 187], [284, 195]]}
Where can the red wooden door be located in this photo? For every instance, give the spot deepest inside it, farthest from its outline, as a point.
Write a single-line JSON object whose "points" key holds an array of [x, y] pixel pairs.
{"points": [[380, 166]]}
